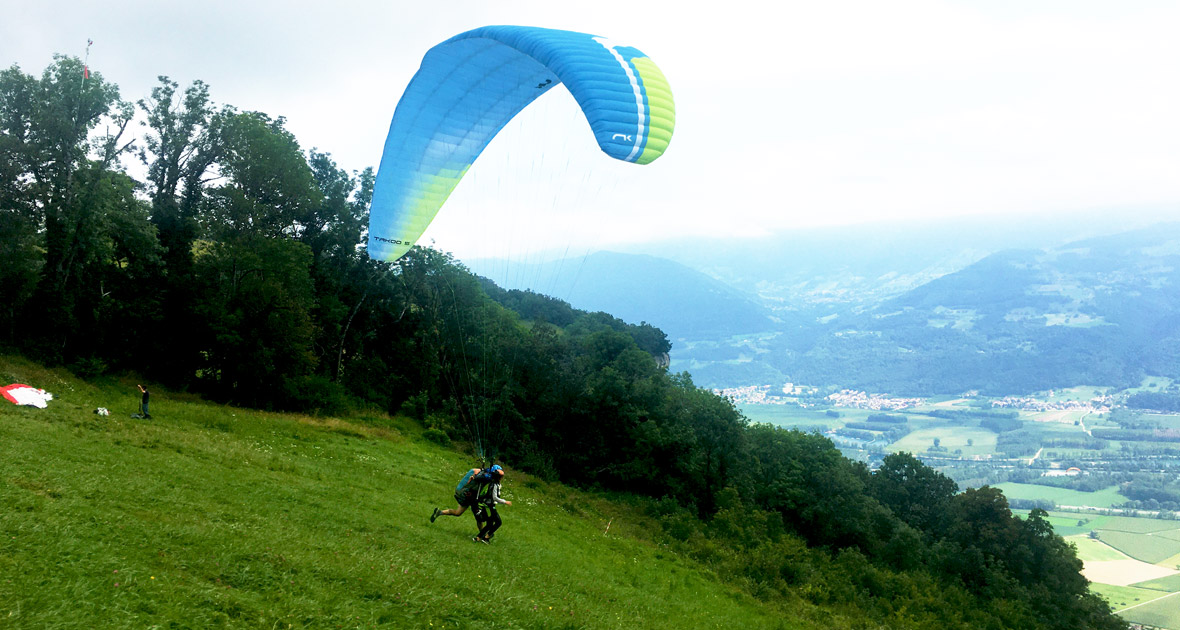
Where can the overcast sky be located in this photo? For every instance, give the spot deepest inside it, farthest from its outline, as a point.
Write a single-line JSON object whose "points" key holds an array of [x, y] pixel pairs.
{"points": [[789, 114]]}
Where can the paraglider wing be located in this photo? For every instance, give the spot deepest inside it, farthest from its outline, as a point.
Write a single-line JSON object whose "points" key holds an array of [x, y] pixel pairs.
{"points": [[21, 394], [471, 85]]}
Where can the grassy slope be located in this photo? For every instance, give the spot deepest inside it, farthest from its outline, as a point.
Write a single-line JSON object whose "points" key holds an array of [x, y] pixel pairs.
{"points": [[211, 516]]}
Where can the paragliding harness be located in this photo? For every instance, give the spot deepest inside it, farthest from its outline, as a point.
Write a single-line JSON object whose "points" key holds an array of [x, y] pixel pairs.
{"points": [[484, 508], [470, 485]]}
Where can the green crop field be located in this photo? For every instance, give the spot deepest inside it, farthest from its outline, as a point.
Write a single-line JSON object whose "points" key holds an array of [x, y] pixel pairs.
{"points": [[1121, 597], [1139, 525], [1090, 550], [1064, 524], [1170, 584], [1163, 612], [1145, 547], [1062, 496], [1140, 605], [952, 438], [1152, 384], [794, 417], [1142, 602], [210, 516], [1167, 420]]}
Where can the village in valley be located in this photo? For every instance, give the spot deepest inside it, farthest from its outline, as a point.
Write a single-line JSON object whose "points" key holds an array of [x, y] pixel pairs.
{"points": [[805, 396]]}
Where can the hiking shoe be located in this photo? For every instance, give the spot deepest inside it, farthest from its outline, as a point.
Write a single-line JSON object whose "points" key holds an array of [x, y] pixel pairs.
{"points": [[478, 539], [435, 514]]}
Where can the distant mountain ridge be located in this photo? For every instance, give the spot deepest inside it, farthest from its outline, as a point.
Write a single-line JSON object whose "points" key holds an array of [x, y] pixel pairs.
{"points": [[1102, 310], [829, 268], [684, 303]]}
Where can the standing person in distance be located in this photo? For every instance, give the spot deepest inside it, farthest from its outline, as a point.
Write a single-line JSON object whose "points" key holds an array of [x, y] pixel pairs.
{"points": [[143, 403]]}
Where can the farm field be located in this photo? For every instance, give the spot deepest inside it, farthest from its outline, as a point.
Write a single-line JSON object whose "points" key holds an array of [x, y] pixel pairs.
{"points": [[1080, 393], [1170, 584], [1123, 523], [1139, 591], [795, 418], [1090, 550], [1106, 564], [1147, 547], [1062, 496], [1064, 523], [1167, 420], [951, 437], [1161, 612], [1122, 597], [1141, 605]]}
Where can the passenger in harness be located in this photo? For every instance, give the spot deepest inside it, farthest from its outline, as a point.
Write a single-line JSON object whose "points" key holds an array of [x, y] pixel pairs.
{"points": [[486, 516]]}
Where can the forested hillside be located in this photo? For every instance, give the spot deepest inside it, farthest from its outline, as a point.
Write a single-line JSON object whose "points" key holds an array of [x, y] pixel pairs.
{"points": [[235, 270]]}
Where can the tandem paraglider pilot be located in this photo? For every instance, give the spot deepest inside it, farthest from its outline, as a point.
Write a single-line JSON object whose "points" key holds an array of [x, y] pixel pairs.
{"points": [[479, 489]]}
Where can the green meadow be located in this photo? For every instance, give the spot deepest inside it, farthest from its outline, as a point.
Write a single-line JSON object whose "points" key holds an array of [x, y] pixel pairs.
{"points": [[792, 417], [1090, 550], [1142, 605], [1122, 597], [1159, 610], [1063, 496], [1149, 548], [214, 517], [971, 441]]}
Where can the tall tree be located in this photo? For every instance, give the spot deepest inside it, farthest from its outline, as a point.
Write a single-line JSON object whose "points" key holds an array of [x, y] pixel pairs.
{"points": [[20, 216], [49, 124], [180, 147], [254, 295], [916, 493], [269, 189]]}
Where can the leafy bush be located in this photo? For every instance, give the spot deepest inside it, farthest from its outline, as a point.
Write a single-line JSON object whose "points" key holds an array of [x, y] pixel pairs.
{"points": [[437, 436]]}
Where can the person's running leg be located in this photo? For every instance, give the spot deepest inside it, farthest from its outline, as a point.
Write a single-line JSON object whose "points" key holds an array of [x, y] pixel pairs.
{"points": [[493, 523]]}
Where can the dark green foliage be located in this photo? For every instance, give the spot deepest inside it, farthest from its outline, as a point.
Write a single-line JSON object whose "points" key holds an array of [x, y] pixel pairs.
{"points": [[437, 436], [966, 414], [1002, 424], [1018, 443], [1152, 493], [1156, 401], [1137, 435], [917, 494]]}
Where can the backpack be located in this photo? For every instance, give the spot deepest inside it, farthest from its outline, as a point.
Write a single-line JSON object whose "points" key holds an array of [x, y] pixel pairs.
{"points": [[470, 484]]}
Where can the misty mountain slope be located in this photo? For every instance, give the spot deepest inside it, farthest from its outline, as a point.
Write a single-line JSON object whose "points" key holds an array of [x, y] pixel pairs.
{"points": [[684, 303], [826, 270], [1102, 311]]}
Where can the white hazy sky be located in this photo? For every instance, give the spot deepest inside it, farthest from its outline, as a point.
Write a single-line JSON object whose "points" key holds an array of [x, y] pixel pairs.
{"points": [[789, 114]]}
